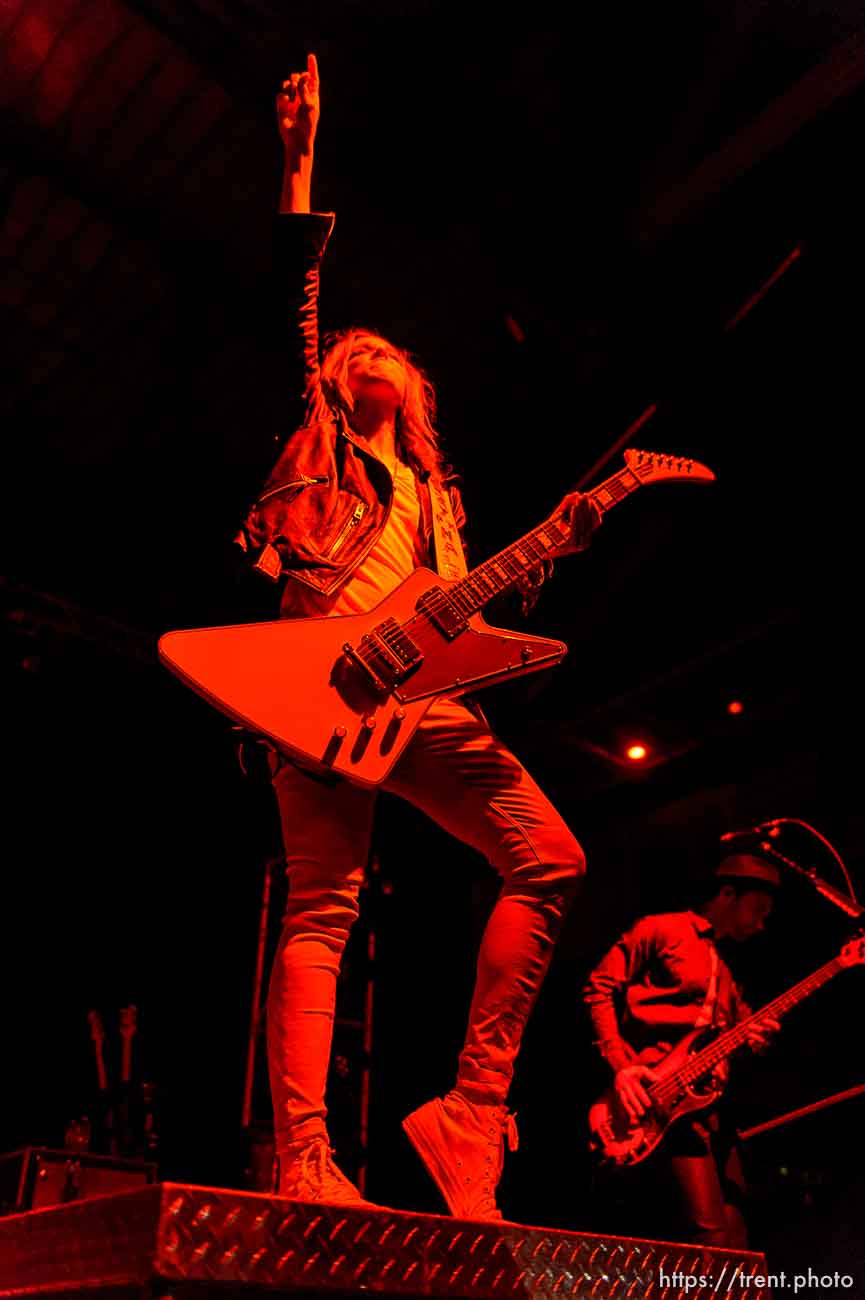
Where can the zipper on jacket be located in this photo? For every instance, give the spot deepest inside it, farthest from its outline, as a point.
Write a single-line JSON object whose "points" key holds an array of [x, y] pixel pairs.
{"points": [[350, 523], [305, 480]]}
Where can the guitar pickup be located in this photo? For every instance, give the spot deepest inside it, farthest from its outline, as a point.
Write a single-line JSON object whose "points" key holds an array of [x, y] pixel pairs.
{"points": [[442, 612], [386, 654]]}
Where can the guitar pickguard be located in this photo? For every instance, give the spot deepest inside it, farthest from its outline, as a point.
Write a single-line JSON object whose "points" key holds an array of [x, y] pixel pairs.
{"points": [[292, 681], [478, 657]]}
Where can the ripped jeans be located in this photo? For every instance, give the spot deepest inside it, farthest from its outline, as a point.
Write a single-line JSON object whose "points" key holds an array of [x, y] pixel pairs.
{"points": [[461, 775]]}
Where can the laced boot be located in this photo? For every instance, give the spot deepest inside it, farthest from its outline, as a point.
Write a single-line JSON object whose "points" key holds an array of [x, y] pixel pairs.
{"points": [[462, 1144], [307, 1173]]}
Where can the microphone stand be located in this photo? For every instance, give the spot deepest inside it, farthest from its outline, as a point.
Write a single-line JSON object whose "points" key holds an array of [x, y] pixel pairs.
{"points": [[846, 904], [257, 1014], [260, 1173]]}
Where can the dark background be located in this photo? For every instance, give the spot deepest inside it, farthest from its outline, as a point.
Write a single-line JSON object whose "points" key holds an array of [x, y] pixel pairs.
{"points": [[563, 213]]}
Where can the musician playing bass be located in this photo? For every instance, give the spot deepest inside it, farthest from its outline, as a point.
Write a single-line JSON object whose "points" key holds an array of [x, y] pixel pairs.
{"points": [[350, 509], [659, 981]]}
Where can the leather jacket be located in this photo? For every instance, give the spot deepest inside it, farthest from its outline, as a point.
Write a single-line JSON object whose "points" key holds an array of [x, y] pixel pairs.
{"points": [[327, 498]]}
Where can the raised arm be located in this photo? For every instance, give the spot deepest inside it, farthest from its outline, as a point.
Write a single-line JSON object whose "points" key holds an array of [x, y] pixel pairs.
{"points": [[297, 109], [301, 238]]}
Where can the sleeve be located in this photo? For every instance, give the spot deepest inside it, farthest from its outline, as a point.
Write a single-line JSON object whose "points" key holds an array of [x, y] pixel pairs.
{"points": [[605, 989], [263, 538], [300, 241]]}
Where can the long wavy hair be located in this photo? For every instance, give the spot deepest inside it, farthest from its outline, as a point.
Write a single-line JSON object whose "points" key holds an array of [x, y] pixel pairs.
{"points": [[415, 418]]}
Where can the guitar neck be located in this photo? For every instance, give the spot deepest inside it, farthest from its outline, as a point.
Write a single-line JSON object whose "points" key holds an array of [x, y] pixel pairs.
{"points": [[732, 1039], [97, 1036], [101, 1076], [516, 562], [128, 1027]]}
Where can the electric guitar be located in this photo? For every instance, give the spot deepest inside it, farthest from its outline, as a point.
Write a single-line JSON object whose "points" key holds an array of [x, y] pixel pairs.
{"points": [[691, 1076], [347, 693], [97, 1035], [106, 1135], [128, 1030]]}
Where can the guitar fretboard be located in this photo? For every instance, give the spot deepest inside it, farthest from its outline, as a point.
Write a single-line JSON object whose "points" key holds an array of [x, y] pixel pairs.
{"points": [[516, 562], [728, 1042]]}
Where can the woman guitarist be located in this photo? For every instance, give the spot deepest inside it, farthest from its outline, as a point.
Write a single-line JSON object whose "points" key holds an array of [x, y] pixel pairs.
{"points": [[359, 497]]}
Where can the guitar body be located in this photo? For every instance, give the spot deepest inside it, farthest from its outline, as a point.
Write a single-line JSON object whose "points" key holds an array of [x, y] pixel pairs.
{"points": [[291, 680], [619, 1142]]}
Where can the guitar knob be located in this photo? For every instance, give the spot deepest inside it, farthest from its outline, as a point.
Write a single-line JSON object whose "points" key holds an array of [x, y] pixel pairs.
{"points": [[399, 715], [369, 722], [339, 733]]}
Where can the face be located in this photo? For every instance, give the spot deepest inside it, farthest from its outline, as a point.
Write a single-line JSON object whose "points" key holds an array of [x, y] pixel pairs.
{"points": [[376, 370], [747, 913]]}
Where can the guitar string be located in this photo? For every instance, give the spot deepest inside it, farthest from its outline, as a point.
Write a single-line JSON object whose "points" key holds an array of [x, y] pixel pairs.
{"points": [[783, 1003], [466, 592], [499, 573], [666, 1089], [466, 597], [469, 595]]}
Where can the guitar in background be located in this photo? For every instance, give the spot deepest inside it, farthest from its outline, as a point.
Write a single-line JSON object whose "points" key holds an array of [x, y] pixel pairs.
{"points": [[692, 1075], [125, 1107], [104, 1135]]}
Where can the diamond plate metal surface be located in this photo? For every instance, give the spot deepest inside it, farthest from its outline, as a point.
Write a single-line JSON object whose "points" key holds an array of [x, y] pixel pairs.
{"points": [[202, 1238]]}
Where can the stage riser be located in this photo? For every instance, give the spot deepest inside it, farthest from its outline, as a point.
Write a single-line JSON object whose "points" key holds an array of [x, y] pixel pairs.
{"points": [[193, 1243]]}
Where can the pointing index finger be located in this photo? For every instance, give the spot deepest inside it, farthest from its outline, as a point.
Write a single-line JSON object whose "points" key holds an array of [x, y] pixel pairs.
{"points": [[312, 69]]}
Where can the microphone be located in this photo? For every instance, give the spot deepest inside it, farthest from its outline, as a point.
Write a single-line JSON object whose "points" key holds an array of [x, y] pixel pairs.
{"points": [[762, 828]]}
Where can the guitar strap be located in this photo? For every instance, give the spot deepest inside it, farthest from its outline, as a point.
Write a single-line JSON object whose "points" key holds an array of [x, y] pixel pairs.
{"points": [[707, 1011], [449, 556]]}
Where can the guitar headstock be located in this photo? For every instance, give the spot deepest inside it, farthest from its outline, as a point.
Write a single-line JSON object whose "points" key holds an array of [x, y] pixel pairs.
{"points": [[656, 467], [853, 953]]}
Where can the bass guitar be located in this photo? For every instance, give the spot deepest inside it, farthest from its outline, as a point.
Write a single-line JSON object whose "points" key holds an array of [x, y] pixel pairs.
{"points": [[347, 693], [691, 1076]]}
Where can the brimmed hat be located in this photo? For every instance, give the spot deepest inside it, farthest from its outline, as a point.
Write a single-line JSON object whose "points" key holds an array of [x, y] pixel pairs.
{"points": [[745, 866]]}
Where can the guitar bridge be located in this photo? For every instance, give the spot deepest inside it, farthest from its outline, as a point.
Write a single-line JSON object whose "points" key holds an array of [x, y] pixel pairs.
{"points": [[386, 655]]}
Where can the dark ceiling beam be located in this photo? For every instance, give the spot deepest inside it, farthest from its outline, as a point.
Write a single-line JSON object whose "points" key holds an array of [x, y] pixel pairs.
{"points": [[150, 194], [185, 255], [840, 74], [217, 42], [31, 613], [686, 669], [736, 23]]}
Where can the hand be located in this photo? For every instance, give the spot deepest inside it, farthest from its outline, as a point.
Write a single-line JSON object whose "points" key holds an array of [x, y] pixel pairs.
{"points": [[761, 1032], [630, 1092], [297, 110], [581, 516]]}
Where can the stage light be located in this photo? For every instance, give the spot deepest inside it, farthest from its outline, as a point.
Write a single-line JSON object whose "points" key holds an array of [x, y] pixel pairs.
{"points": [[636, 753], [735, 706]]}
